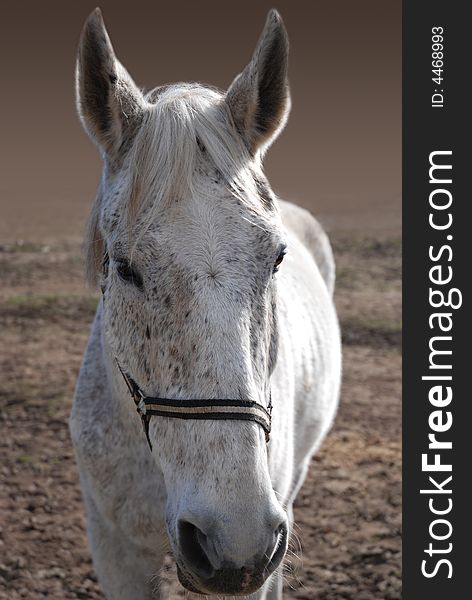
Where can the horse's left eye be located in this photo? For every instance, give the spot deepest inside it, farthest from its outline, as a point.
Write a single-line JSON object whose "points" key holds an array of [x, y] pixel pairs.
{"points": [[279, 260], [129, 274]]}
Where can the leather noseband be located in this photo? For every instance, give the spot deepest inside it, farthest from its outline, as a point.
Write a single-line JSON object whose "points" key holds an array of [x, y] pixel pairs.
{"points": [[214, 409]]}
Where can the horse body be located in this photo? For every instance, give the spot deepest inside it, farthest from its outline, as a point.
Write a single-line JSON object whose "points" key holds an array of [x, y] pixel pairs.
{"points": [[195, 313]]}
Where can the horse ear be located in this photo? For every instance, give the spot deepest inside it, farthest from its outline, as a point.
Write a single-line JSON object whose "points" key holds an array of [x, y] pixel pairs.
{"points": [[259, 98], [109, 102]]}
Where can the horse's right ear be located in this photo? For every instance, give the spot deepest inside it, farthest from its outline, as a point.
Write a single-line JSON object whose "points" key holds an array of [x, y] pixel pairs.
{"points": [[109, 103], [259, 98]]}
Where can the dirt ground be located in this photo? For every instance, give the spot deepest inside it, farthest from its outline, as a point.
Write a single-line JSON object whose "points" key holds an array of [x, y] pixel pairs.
{"points": [[348, 515]]}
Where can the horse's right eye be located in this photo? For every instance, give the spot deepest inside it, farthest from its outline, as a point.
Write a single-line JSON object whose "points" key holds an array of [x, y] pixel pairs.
{"points": [[279, 260], [129, 274]]}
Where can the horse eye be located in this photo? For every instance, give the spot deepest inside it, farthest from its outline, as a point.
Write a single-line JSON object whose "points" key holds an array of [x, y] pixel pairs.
{"points": [[129, 274], [279, 260]]}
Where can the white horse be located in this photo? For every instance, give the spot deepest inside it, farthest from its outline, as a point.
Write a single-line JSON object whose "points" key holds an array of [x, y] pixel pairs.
{"points": [[186, 238]]}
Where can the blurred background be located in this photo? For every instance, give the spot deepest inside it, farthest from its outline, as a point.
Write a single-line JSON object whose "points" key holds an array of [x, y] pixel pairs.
{"points": [[339, 156]]}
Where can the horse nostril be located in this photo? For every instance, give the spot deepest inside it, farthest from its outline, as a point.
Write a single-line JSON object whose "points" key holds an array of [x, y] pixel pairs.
{"points": [[193, 545], [276, 548]]}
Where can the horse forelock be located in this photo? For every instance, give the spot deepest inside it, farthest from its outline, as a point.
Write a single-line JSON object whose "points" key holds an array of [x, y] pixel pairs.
{"points": [[188, 137]]}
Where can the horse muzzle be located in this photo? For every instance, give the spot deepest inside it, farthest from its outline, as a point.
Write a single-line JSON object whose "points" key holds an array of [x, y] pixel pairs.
{"points": [[203, 568]]}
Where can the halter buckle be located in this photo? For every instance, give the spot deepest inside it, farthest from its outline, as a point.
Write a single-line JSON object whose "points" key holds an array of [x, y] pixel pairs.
{"points": [[145, 418]]}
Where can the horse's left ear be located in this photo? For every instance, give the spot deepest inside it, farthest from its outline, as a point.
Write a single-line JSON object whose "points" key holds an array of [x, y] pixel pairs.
{"points": [[259, 98]]}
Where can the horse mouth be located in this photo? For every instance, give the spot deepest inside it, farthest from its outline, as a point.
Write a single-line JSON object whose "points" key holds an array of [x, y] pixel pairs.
{"points": [[226, 581], [187, 584]]}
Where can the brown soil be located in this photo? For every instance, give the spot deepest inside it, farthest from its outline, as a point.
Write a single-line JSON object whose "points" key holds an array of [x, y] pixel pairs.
{"points": [[348, 514]]}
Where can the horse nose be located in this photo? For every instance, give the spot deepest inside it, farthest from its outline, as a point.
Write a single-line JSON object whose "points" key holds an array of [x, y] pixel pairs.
{"points": [[204, 555]]}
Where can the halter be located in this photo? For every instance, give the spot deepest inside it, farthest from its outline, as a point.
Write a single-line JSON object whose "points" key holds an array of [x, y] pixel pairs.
{"points": [[212, 409]]}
